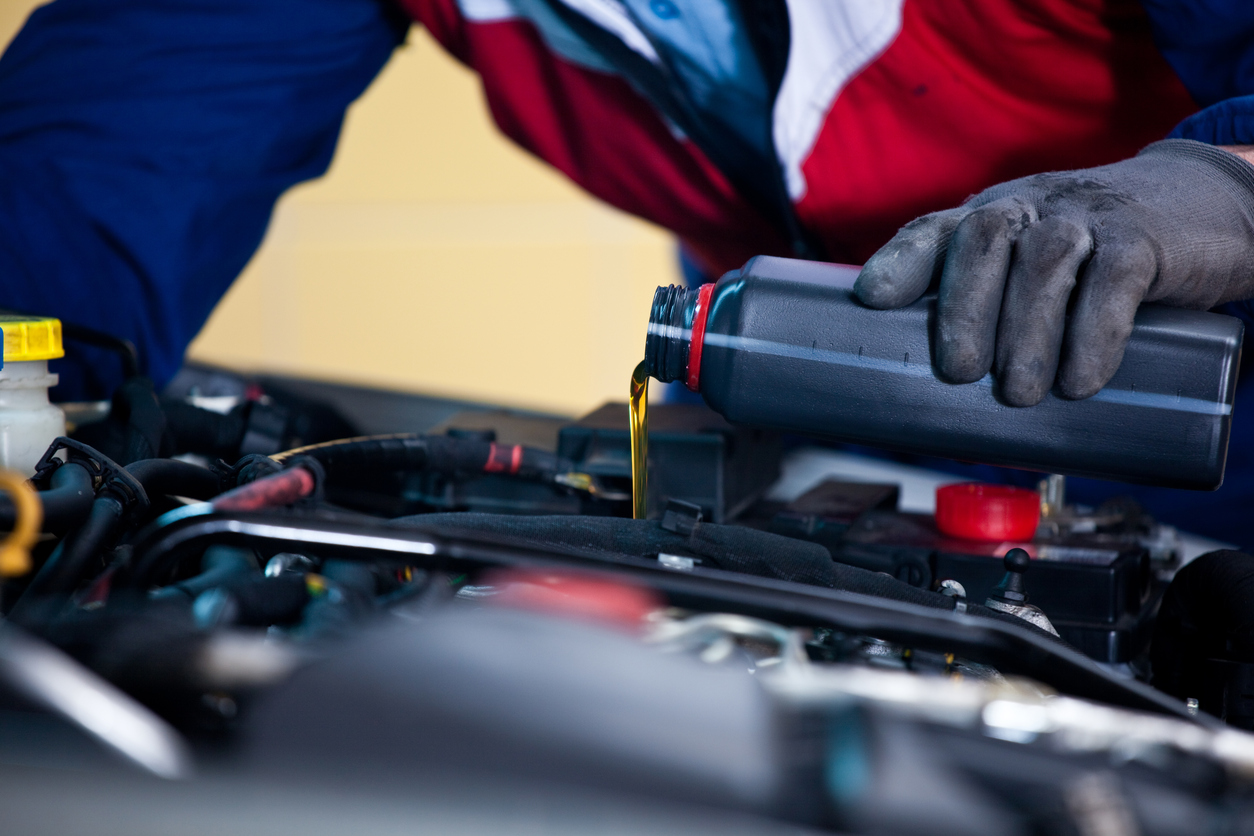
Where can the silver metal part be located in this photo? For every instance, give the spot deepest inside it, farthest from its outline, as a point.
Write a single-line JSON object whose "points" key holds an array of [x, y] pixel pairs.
{"points": [[716, 637], [1099, 807], [1053, 490], [1032, 615], [674, 561], [236, 659], [1015, 710], [287, 562], [56, 682]]}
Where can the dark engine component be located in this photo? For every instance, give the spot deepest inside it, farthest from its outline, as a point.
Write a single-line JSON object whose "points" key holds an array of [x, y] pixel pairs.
{"points": [[1099, 589], [694, 456], [347, 621], [1203, 646]]}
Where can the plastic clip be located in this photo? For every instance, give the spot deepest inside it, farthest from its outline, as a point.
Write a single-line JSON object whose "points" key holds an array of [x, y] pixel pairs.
{"points": [[107, 475]]}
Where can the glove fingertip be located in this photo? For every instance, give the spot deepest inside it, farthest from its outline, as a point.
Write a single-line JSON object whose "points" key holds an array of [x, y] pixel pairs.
{"points": [[1084, 373], [876, 291], [959, 365], [887, 281], [903, 269], [1024, 394], [1078, 385]]}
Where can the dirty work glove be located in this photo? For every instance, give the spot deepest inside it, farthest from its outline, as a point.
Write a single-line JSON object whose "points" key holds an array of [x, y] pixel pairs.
{"points": [[1040, 277]]}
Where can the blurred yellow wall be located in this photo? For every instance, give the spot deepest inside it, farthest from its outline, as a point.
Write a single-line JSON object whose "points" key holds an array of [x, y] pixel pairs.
{"points": [[436, 257]]}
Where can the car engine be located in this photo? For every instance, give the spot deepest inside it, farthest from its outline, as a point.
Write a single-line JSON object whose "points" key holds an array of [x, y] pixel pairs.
{"points": [[262, 604]]}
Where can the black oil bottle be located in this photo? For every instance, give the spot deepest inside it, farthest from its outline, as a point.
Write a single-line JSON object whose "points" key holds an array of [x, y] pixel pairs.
{"points": [[784, 344]]}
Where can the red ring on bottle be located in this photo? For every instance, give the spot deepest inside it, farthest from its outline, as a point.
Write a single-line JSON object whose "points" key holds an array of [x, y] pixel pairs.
{"points": [[697, 340], [977, 511]]}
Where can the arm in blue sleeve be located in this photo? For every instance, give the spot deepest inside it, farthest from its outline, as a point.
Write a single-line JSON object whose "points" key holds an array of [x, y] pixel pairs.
{"points": [[143, 144], [1210, 45]]}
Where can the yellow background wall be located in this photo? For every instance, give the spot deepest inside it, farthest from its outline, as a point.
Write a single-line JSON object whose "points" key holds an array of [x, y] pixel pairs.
{"points": [[436, 257]]}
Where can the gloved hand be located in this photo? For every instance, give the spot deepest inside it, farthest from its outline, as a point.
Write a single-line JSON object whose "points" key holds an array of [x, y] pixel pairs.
{"points": [[1040, 277]]}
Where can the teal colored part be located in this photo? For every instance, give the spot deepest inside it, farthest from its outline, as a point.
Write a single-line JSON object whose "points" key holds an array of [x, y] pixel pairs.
{"points": [[848, 767]]}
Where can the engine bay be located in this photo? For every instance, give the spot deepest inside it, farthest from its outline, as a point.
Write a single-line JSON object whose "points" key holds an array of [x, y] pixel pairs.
{"points": [[244, 585]]}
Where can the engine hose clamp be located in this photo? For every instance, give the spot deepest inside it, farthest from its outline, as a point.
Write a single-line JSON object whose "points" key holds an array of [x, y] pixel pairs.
{"points": [[107, 475]]}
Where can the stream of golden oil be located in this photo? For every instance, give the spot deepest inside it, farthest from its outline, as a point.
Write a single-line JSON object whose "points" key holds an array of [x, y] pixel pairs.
{"points": [[639, 442]]}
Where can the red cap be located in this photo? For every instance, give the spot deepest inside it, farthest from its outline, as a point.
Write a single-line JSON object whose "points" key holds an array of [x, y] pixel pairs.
{"points": [[987, 512], [697, 341]]}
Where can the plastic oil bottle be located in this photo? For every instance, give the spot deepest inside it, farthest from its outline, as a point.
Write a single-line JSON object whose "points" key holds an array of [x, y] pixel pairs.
{"points": [[28, 422], [784, 344]]}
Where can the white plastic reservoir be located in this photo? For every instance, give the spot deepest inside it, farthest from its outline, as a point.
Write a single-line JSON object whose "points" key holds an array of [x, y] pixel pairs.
{"points": [[28, 422]]}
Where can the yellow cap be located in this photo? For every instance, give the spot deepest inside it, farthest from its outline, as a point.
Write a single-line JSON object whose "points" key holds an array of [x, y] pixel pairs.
{"points": [[31, 338]]}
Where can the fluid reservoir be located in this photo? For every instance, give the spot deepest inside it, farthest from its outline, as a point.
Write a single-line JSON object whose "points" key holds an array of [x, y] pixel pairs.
{"points": [[28, 422], [784, 344]]}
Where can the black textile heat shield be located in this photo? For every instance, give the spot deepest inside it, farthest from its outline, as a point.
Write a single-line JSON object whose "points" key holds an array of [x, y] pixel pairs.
{"points": [[787, 346]]}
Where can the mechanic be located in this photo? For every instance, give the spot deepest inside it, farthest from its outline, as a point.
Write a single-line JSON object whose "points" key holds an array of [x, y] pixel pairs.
{"points": [[143, 144]]}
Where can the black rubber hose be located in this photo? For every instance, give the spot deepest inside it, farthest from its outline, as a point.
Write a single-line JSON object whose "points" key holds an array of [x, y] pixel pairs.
{"points": [[139, 421], [439, 453], [175, 478], [70, 494], [69, 561], [123, 348], [203, 431], [66, 502], [255, 601], [219, 566]]}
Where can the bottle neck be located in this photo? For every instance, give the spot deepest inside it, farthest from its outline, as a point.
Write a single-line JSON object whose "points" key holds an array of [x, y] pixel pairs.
{"points": [[672, 349]]}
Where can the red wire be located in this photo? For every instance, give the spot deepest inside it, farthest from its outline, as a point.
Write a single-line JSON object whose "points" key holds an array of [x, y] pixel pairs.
{"points": [[268, 492]]}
